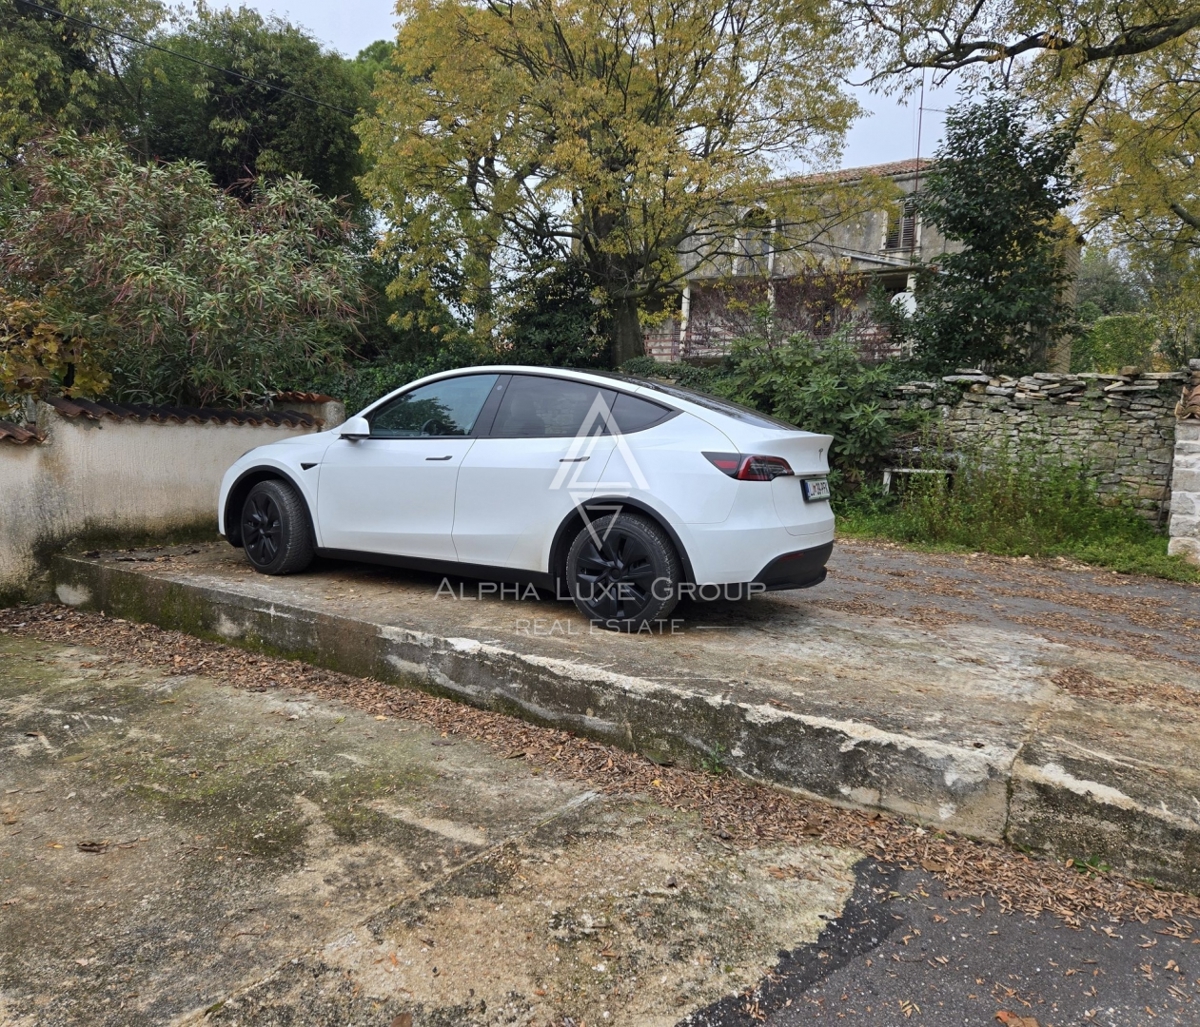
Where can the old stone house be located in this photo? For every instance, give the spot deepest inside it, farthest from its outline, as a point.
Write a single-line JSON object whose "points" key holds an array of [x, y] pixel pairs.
{"points": [[799, 270]]}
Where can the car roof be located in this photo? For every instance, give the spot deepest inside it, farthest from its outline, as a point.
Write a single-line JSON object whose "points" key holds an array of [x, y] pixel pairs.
{"points": [[606, 379], [697, 404]]}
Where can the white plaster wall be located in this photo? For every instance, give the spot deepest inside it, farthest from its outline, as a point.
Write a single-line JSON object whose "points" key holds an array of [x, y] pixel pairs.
{"points": [[1184, 528], [111, 476], [20, 472]]}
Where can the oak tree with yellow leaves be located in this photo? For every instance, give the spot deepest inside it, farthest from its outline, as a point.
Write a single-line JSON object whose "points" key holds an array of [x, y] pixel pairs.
{"points": [[631, 135]]}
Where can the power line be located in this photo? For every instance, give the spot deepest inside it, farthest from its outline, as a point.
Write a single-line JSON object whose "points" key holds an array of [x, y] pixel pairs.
{"points": [[185, 57]]}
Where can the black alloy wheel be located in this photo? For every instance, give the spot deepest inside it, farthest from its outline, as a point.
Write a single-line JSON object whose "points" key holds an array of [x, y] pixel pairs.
{"points": [[275, 531], [623, 572]]}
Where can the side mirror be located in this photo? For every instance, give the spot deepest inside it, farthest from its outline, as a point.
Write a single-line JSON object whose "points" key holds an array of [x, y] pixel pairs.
{"points": [[355, 428]]}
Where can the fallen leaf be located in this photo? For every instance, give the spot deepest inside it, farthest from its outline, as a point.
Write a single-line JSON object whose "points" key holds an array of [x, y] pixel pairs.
{"points": [[1015, 1020], [403, 1020], [92, 846]]}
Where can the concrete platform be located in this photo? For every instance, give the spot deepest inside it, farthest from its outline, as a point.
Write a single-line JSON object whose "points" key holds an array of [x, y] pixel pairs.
{"points": [[176, 850], [1056, 708]]}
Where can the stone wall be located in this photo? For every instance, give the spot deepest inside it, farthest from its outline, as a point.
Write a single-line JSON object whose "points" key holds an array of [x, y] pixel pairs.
{"points": [[1122, 426], [1185, 485]]}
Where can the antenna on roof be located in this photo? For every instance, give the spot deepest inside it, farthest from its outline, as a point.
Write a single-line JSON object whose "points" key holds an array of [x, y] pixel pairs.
{"points": [[917, 177]]}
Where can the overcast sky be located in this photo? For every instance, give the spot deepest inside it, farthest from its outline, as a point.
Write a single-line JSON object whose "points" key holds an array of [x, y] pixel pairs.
{"points": [[888, 133]]}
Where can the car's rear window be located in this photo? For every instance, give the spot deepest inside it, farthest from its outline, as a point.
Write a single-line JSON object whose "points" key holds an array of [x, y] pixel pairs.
{"points": [[747, 415], [632, 413]]}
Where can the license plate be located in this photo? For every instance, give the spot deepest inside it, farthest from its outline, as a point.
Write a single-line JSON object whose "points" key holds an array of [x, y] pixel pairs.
{"points": [[815, 488]]}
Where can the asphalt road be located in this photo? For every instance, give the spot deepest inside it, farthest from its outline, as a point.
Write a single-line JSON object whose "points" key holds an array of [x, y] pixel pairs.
{"points": [[905, 952]]}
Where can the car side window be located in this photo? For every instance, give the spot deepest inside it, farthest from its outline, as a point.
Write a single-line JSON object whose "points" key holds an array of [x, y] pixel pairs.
{"points": [[539, 407], [632, 413], [447, 407]]}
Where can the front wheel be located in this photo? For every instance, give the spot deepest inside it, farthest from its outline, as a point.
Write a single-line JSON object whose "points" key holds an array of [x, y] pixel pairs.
{"points": [[275, 532], [623, 572]]}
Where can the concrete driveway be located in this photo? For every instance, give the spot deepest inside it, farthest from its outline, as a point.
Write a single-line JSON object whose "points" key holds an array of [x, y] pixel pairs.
{"points": [[197, 834], [1053, 706], [177, 850]]}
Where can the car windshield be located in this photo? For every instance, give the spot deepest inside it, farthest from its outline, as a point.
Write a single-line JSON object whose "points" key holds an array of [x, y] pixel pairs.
{"points": [[747, 415]]}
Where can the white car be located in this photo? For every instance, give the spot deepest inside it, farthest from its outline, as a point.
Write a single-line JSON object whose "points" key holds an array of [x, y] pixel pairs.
{"points": [[622, 493]]}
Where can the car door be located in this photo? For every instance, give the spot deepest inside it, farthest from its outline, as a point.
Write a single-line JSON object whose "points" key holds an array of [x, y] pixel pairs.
{"points": [[543, 453], [393, 492]]}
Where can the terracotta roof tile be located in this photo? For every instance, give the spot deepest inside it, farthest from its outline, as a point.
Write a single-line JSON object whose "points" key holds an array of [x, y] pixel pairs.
{"points": [[99, 409], [10, 432], [1189, 403], [302, 397], [888, 170]]}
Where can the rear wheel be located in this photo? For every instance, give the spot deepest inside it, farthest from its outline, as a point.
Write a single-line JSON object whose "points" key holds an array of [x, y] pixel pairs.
{"points": [[623, 572], [275, 532]]}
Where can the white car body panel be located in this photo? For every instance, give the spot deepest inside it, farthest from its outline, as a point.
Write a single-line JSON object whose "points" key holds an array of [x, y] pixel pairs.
{"points": [[514, 493], [500, 502], [390, 496]]}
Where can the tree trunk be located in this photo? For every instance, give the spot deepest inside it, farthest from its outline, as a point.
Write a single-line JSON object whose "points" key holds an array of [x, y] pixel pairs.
{"points": [[627, 339]]}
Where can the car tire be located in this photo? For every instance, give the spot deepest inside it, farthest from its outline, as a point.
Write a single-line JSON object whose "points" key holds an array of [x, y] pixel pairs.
{"points": [[275, 531], [623, 572]]}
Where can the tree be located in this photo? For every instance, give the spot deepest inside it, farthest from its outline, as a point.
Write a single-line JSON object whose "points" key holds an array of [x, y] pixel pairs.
{"points": [[556, 320], [283, 107], [1120, 75], [998, 188], [1107, 285], [630, 134], [182, 293], [1140, 135], [950, 35], [58, 72]]}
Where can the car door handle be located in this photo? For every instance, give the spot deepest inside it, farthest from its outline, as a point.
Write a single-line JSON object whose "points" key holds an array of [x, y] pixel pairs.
{"points": [[573, 459], [450, 457]]}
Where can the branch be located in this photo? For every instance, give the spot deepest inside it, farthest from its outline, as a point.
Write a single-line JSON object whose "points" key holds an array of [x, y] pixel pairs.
{"points": [[1186, 216], [1136, 40]]}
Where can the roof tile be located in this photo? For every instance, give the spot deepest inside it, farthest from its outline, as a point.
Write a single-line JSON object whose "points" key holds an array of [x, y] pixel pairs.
{"points": [[302, 397], [1189, 403], [892, 168], [100, 409], [10, 432]]}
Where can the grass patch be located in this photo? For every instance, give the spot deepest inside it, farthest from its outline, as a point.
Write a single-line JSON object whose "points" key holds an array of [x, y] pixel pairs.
{"points": [[1026, 503]]}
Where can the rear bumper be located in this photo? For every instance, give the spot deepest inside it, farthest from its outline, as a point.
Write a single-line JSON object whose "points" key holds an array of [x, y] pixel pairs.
{"points": [[801, 569]]}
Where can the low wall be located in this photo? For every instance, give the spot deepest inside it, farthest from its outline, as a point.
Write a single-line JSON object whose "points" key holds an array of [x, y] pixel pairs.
{"points": [[1123, 426], [134, 472], [1185, 486]]}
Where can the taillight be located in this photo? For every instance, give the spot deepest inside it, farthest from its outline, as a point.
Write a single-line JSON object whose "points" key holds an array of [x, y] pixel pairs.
{"points": [[749, 467]]}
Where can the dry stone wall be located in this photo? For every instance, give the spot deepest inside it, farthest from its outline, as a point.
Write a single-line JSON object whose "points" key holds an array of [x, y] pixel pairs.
{"points": [[1185, 484], [1122, 426]]}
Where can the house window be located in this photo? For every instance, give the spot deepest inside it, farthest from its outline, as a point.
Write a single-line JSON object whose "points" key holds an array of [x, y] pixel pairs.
{"points": [[902, 226], [754, 243]]}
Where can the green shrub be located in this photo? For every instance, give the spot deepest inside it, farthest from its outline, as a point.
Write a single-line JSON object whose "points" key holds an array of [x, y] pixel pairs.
{"points": [[181, 293], [361, 384], [556, 321], [818, 385], [1110, 343], [647, 367]]}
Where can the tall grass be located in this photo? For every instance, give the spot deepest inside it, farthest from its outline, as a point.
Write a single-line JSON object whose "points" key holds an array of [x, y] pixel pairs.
{"points": [[1023, 502]]}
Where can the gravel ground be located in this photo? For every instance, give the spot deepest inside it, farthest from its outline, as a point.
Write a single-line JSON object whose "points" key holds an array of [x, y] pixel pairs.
{"points": [[1062, 601]]}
